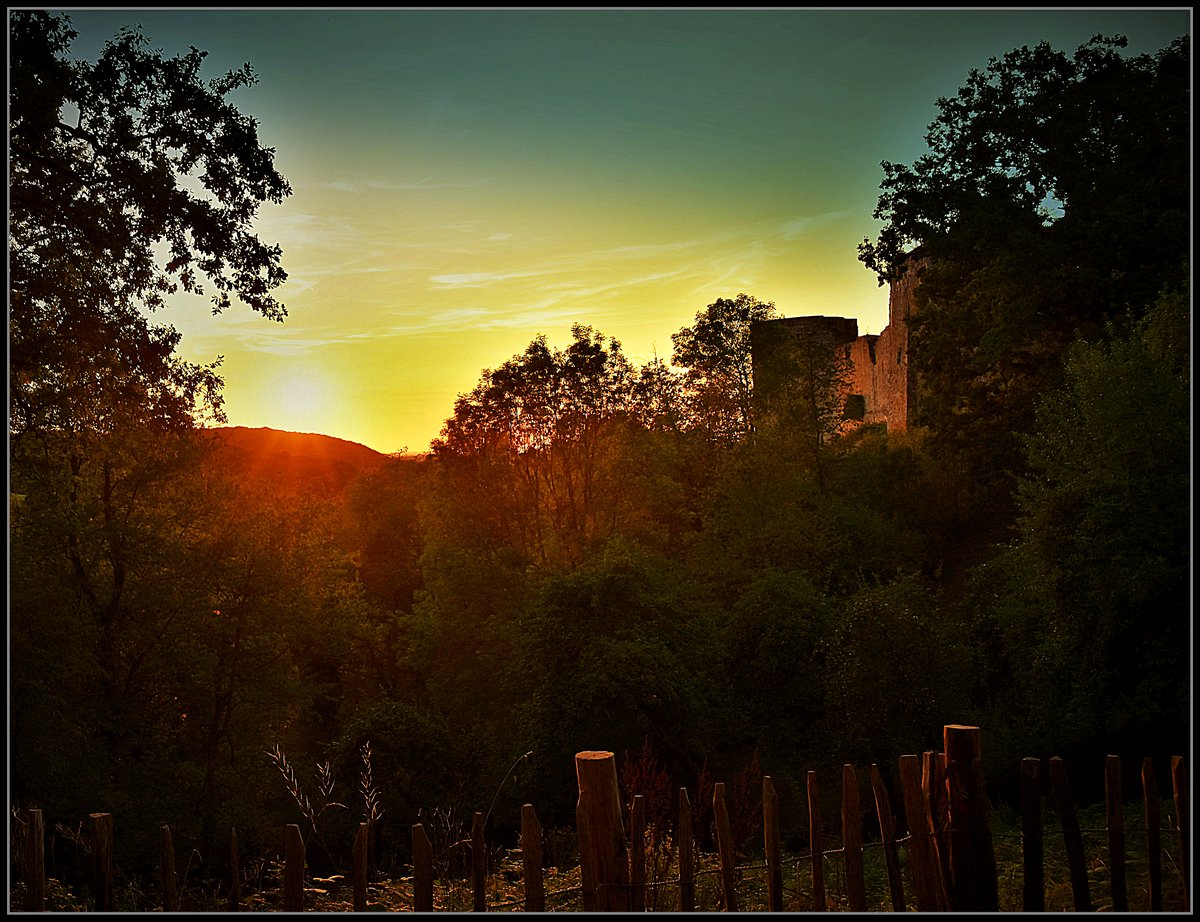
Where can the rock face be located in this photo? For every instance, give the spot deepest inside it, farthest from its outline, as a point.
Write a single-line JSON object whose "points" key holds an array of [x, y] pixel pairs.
{"points": [[880, 378]]}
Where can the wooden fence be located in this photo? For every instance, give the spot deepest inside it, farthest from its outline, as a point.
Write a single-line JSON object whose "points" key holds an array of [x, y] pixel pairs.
{"points": [[948, 844]]}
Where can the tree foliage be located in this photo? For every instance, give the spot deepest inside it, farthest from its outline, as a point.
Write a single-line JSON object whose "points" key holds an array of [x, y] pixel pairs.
{"points": [[547, 422], [130, 178], [801, 387], [719, 376], [1055, 195]]}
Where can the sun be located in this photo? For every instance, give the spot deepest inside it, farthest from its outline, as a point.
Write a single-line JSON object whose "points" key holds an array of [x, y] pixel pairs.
{"points": [[302, 399]]}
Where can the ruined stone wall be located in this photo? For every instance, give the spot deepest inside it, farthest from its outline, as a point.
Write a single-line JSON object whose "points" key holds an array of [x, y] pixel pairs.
{"points": [[833, 331], [880, 370]]}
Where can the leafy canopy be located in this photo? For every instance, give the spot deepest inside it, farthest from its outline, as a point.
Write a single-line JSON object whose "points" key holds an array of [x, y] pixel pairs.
{"points": [[716, 352], [1054, 196], [131, 178], [1063, 140]]}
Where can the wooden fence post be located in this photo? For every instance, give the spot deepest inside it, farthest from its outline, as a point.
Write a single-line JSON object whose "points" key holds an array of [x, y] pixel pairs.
{"points": [[531, 859], [1115, 825], [170, 888], [35, 862], [1183, 820], [687, 867], [887, 836], [973, 883], [816, 844], [856, 887], [1032, 847], [602, 840], [293, 869], [725, 849], [1072, 837], [359, 867], [102, 860], [928, 884], [771, 849], [1153, 834], [422, 870], [637, 854], [478, 863], [235, 880], [587, 871]]}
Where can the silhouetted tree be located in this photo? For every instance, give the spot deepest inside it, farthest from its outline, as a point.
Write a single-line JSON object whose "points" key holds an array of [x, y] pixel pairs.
{"points": [[105, 161], [130, 178], [546, 426], [1055, 195], [719, 377]]}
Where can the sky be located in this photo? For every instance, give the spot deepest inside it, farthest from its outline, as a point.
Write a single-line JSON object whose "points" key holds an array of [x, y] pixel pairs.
{"points": [[467, 179]]}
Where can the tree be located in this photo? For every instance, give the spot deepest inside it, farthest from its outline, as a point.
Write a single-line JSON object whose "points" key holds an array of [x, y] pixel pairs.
{"points": [[607, 656], [1055, 195], [130, 179], [113, 163], [1105, 511], [715, 350], [1087, 613], [540, 434], [802, 383], [880, 701]]}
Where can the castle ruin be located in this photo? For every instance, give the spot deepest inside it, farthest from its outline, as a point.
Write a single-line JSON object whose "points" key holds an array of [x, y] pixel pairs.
{"points": [[880, 382]]}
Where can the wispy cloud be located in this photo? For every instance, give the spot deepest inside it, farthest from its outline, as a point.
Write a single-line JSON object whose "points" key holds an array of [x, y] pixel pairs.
{"points": [[357, 187], [349, 286], [484, 279], [601, 282]]}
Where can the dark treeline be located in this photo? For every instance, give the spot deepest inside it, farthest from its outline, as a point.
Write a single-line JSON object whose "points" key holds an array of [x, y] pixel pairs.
{"points": [[652, 560]]}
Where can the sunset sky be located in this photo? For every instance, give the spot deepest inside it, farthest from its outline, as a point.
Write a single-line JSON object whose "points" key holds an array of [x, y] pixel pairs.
{"points": [[467, 179]]}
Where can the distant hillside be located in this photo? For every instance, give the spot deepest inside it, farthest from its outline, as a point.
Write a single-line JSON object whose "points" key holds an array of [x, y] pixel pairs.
{"points": [[303, 459]]}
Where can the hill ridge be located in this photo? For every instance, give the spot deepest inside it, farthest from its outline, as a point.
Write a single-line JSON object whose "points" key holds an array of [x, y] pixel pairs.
{"points": [[302, 459], [272, 431]]}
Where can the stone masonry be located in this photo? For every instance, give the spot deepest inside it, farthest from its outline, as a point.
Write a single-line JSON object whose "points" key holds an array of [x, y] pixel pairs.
{"points": [[880, 378]]}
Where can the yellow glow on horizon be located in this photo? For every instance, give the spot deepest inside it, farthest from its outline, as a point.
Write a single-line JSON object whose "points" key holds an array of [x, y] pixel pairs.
{"points": [[301, 398]]}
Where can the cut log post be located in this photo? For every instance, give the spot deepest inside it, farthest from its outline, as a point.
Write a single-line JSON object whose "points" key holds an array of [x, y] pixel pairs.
{"points": [[422, 870], [933, 783], [1115, 825], [170, 888], [1153, 834], [928, 885], [887, 837], [102, 861], [235, 879], [293, 869], [478, 863], [725, 849], [637, 854], [1183, 821], [35, 861], [1072, 837], [531, 860], [972, 860], [816, 844], [587, 872], [1033, 851], [856, 886], [359, 869], [372, 846], [771, 846], [687, 866], [602, 832]]}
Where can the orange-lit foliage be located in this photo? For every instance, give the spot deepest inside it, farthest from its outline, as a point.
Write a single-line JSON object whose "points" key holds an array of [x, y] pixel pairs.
{"points": [[537, 444]]}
